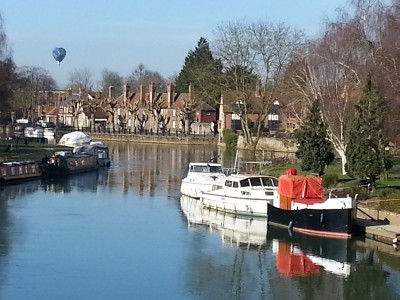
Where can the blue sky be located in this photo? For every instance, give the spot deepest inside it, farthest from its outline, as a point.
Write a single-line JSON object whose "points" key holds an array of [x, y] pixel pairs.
{"points": [[121, 34]]}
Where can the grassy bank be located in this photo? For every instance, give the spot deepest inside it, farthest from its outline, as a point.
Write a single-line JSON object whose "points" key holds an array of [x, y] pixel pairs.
{"points": [[12, 151]]}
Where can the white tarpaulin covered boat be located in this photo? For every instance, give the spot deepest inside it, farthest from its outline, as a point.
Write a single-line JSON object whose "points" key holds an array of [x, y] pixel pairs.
{"points": [[75, 138]]}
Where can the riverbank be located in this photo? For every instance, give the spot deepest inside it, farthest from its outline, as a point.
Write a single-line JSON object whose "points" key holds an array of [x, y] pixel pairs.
{"points": [[157, 139], [20, 151]]}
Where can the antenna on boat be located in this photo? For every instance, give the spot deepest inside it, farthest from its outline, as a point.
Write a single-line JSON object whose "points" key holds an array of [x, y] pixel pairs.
{"points": [[235, 165]]}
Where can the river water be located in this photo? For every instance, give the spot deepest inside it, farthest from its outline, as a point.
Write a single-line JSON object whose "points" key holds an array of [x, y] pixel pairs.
{"points": [[126, 233]]}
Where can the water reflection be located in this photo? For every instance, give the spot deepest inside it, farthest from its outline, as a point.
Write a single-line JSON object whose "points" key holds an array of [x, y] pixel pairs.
{"points": [[296, 254], [281, 264], [132, 241], [84, 182], [238, 231]]}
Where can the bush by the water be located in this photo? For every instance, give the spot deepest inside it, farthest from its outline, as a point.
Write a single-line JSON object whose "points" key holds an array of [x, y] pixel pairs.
{"points": [[330, 180], [391, 201], [230, 138]]}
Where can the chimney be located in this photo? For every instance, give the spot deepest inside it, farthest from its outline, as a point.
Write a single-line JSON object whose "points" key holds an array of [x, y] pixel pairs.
{"points": [[170, 94], [110, 91], [152, 93], [126, 92], [141, 95]]}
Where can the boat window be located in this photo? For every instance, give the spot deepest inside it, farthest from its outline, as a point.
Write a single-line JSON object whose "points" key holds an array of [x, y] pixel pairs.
{"points": [[255, 181], [216, 169], [244, 182], [228, 183], [201, 169], [235, 184], [267, 181]]}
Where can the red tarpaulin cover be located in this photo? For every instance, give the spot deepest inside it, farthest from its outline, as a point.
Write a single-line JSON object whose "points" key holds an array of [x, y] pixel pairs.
{"points": [[294, 186]]}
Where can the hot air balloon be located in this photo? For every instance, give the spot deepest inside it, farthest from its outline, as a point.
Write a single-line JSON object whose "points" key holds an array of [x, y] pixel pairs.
{"points": [[59, 54]]}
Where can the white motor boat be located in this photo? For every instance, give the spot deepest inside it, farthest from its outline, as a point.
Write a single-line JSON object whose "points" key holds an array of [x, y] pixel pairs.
{"points": [[34, 132], [242, 194], [200, 177]]}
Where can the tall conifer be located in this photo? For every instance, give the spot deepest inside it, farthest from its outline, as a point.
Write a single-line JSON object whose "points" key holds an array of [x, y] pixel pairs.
{"points": [[203, 72], [314, 149], [365, 150]]}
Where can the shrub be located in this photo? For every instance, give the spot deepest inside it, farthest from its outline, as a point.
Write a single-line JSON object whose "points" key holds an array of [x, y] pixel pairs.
{"points": [[330, 180], [392, 202], [386, 193], [230, 138]]}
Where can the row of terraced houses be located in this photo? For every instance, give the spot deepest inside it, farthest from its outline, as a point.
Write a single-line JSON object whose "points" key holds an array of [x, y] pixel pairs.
{"points": [[131, 111]]}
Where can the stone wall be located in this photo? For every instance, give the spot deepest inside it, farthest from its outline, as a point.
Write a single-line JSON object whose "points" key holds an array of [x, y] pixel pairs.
{"points": [[272, 144], [189, 140]]}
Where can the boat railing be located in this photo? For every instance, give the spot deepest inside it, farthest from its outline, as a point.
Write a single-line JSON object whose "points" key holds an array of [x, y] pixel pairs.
{"points": [[230, 171]]}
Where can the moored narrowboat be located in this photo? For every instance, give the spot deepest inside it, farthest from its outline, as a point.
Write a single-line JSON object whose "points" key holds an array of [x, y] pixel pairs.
{"points": [[19, 171], [66, 163]]}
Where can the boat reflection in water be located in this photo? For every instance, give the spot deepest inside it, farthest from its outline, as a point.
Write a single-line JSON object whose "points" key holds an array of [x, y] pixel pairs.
{"points": [[302, 255], [244, 232], [296, 254], [81, 182]]}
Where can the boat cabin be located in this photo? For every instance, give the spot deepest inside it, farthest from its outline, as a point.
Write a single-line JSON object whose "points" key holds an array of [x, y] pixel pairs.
{"points": [[248, 181], [205, 168]]}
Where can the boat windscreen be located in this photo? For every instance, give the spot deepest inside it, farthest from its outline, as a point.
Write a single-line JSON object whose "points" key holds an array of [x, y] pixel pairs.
{"points": [[269, 181], [200, 169], [244, 182], [216, 169]]}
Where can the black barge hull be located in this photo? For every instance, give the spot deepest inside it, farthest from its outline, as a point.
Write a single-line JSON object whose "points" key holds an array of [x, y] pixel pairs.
{"points": [[335, 223]]}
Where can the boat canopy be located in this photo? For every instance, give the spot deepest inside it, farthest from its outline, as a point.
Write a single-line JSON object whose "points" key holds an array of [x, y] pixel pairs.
{"points": [[74, 139]]}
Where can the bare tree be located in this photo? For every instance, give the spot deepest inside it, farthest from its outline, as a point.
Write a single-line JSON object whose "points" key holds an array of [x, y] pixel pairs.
{"points": [[186, 111], [33, 82], [334, 68], [111, 107], [254, 56], [81, 79], [145, 77], [78, 106], [110, 78]]}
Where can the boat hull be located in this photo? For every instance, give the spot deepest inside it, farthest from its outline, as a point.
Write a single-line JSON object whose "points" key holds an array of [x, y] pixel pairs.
{"points": [[57, 166], [194, 189], [236, 205], [19, 171], [336, 223]]}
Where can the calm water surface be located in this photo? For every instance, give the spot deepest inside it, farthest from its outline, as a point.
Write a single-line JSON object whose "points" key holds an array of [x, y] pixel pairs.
{"points": [[126, 233]]}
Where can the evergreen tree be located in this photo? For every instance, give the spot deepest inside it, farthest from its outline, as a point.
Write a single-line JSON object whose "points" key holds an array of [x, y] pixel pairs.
{"points": [[365, 150], [203, 72], [314, 149]]}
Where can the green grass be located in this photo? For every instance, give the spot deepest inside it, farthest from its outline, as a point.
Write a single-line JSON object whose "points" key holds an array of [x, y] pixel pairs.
{"points": [[30, 151]]}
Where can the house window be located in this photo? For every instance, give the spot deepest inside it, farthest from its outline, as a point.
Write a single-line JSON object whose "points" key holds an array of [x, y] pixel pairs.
{"points": [[273, 117], [174, 112], [174, 124]]}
